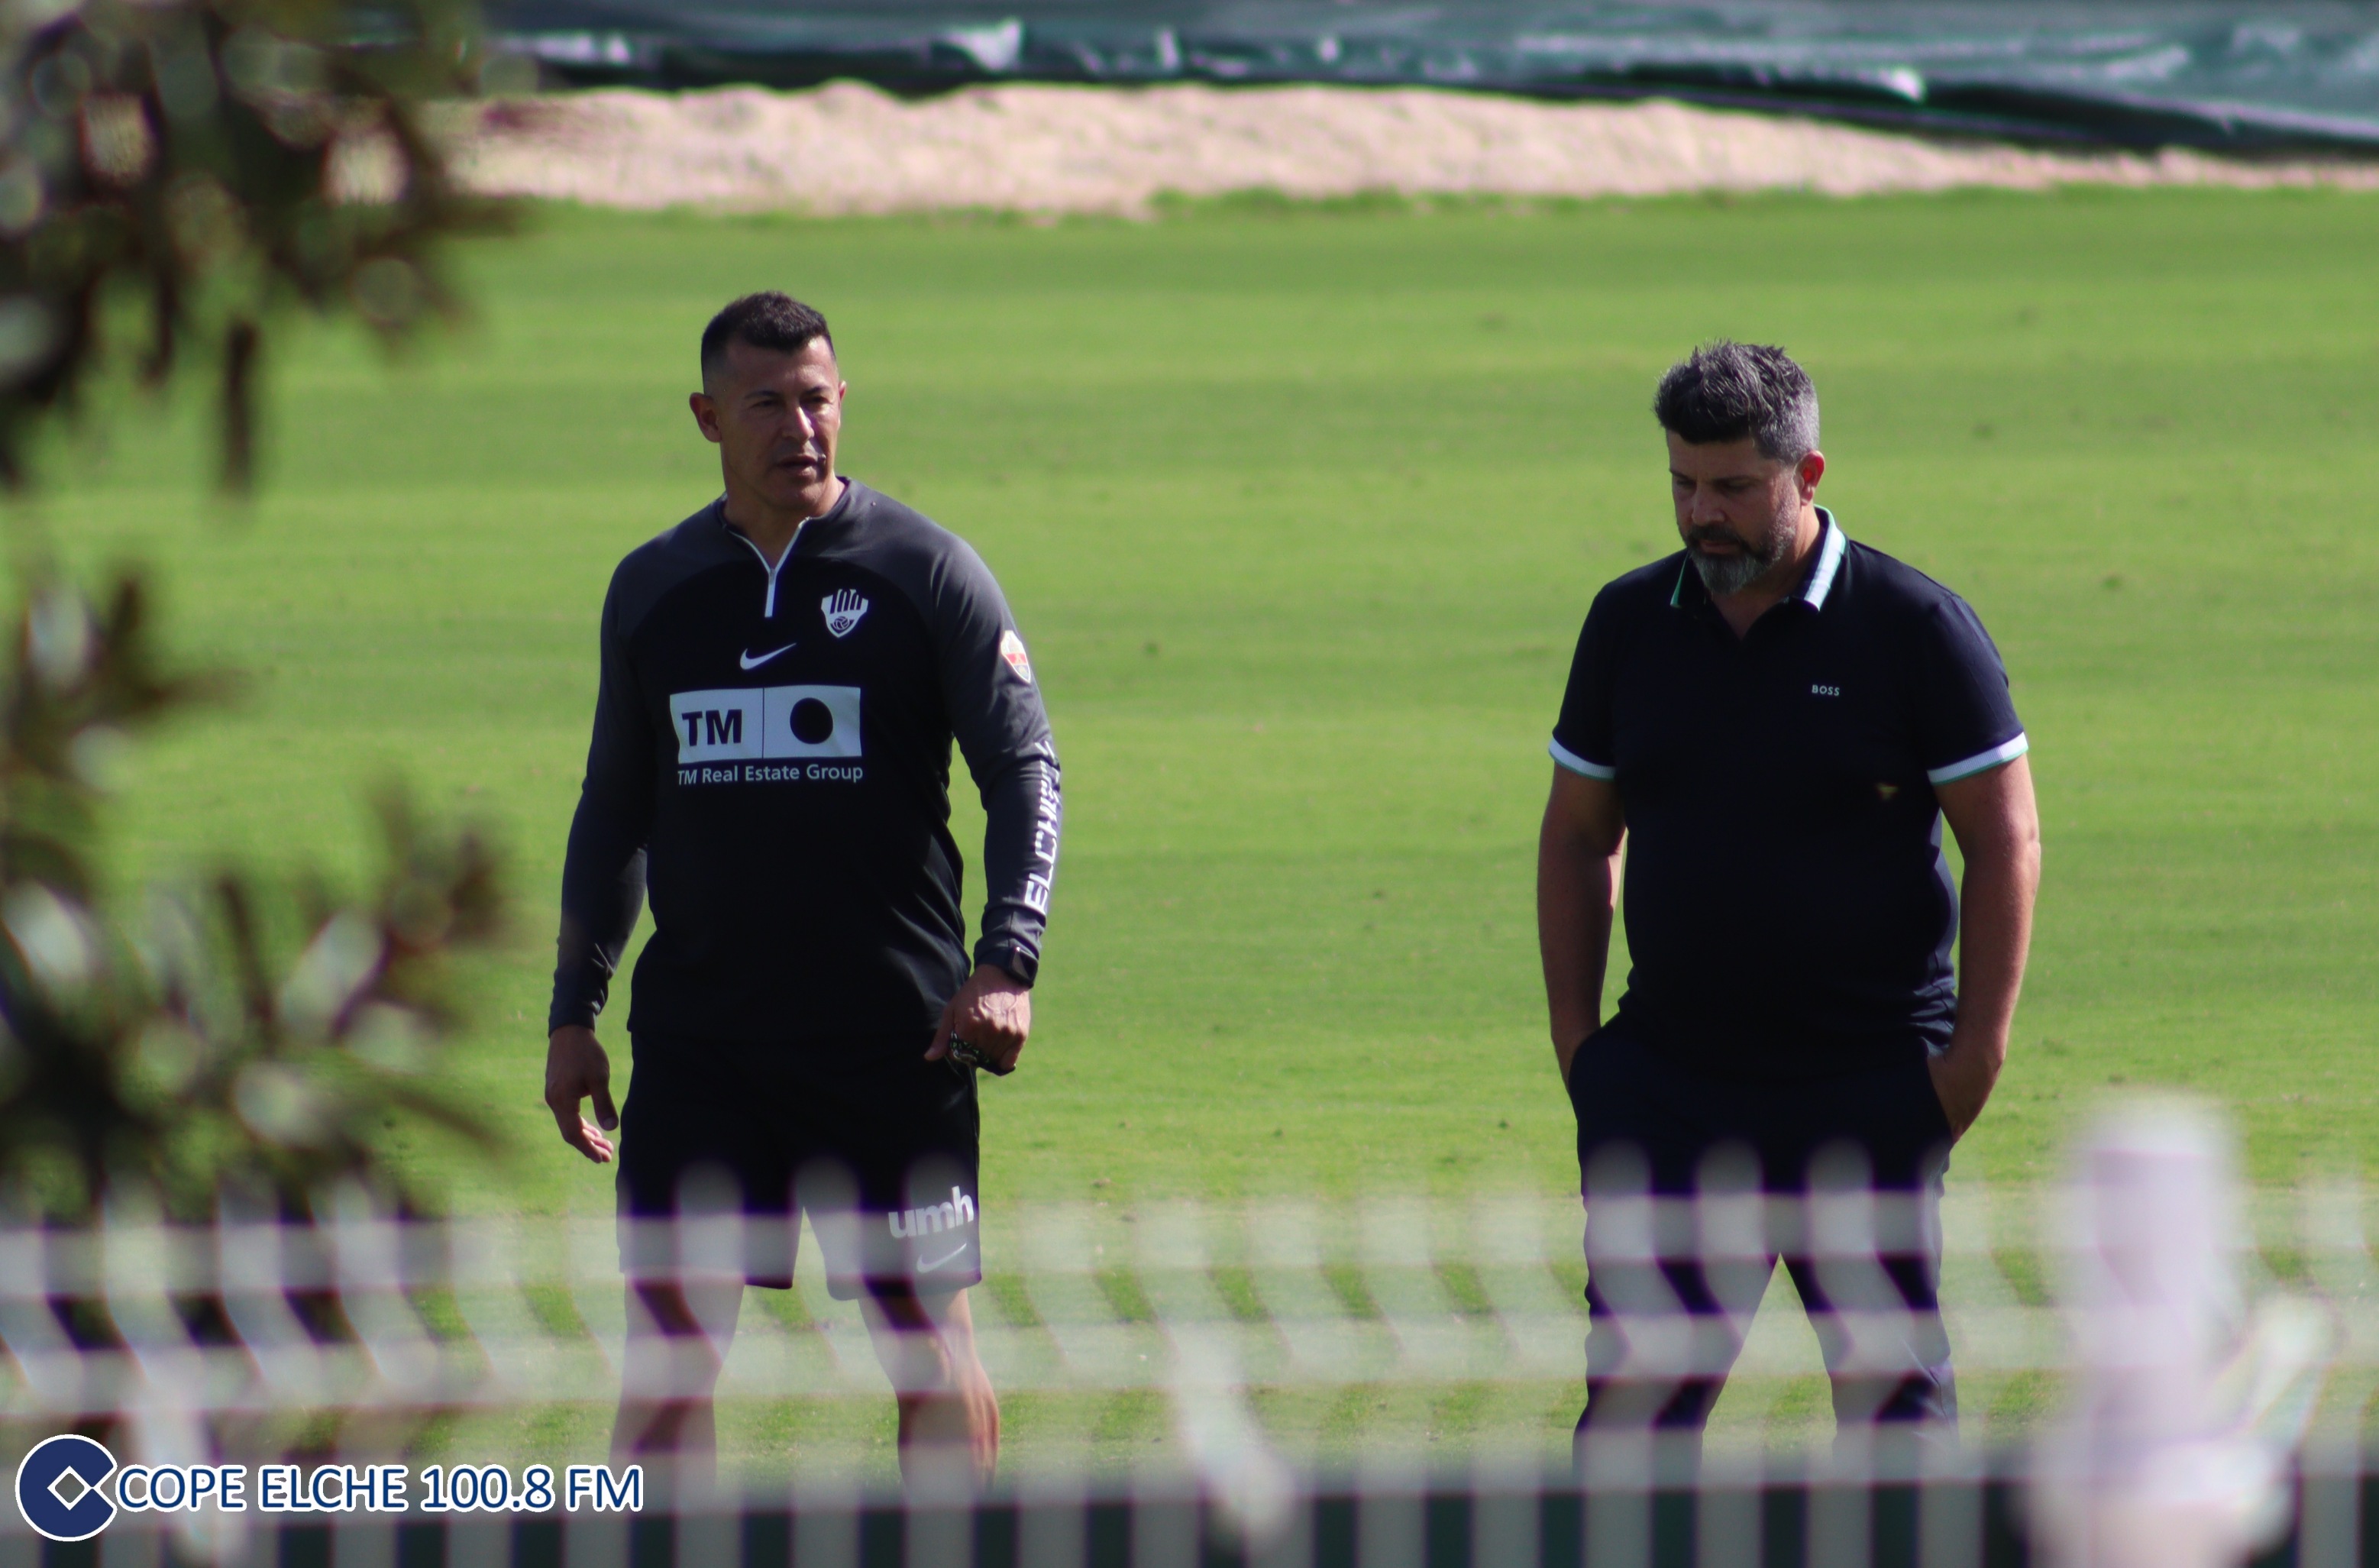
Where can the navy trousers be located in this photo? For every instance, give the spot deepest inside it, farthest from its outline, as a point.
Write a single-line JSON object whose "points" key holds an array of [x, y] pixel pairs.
{"points": [[1680, 1247]]}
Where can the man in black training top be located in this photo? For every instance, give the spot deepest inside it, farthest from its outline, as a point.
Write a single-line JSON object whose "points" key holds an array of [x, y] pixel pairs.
{"points": [[1773, 724], [782, 676]]}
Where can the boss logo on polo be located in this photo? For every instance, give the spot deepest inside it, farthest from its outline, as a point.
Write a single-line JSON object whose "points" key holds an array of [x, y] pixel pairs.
{"points": [[766, 723]]}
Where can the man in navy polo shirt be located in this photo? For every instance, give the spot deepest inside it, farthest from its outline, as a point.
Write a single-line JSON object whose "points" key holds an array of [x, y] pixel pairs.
{"points": [[1769, 728]]}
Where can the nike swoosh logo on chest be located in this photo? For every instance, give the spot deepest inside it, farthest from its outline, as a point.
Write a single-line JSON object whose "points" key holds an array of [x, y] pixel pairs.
{"points": [[748, 662]]}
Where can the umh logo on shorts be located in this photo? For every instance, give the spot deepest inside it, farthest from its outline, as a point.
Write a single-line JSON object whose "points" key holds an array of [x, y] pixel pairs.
{"points": [[767, 721], [934, 1218]]}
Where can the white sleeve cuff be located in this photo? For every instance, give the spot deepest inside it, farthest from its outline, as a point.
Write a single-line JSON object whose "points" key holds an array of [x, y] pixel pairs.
{"points": [[1577, 763], [1981, 762]]}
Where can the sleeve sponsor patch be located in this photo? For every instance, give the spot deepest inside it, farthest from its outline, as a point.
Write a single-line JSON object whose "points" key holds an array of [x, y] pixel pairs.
{"points": [[1011, 649]]}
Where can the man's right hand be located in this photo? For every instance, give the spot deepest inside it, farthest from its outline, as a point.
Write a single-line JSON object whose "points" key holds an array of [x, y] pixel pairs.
{"points": [[1578, 853], [576, 1068]]}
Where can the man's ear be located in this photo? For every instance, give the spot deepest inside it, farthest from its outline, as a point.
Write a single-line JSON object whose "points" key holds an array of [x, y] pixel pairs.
{"points": [[705, 414], [1811, 469]]}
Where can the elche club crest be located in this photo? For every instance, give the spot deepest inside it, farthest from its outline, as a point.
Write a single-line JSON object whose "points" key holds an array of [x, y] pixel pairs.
{"points": [[1011, 649], [843, 610]]}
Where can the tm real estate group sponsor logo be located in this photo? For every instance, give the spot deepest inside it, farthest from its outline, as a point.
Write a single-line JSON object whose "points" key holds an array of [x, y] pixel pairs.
{"points": [[766, 722]]}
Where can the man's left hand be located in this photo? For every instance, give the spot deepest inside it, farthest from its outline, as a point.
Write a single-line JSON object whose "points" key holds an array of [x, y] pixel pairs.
{"points": [[992, 1013], [1962, 1077]]}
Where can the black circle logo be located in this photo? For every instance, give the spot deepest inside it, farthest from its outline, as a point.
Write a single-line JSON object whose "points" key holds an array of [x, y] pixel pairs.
{"points": [[813, 721]]}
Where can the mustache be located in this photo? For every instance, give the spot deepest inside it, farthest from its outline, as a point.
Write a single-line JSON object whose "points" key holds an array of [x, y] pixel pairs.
{"points": [[1716, 533]]}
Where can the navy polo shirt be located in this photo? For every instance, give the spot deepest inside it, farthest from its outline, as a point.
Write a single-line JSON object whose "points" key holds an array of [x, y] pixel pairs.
{"points": [[1789, 910]]}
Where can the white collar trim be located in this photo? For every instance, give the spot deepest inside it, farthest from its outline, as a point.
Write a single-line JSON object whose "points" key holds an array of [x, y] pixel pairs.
{"points": [[1829, 561]]}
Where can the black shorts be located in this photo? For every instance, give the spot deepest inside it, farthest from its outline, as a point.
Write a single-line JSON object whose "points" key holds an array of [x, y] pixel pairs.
{"points": [[1630, 1094], [878, 1146]]}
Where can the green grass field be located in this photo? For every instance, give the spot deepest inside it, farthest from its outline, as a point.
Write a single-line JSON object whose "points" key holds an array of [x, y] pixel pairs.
{"points": [[1300, 510]]}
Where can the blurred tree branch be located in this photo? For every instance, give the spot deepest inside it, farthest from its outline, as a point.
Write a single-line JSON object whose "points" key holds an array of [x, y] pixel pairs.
{"points": [[180, 174], [184, 168], [177, 1053]]}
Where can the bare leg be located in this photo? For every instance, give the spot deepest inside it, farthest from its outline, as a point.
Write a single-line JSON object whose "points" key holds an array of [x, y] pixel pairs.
{"points": [[949, 1416], [678, 1335]]}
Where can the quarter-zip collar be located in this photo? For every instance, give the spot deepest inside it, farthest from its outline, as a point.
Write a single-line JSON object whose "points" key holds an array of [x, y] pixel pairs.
{"points": [[841, 505]]}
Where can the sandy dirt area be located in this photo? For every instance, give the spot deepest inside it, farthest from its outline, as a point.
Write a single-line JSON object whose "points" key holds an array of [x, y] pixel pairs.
{"points": [[847, 148]]}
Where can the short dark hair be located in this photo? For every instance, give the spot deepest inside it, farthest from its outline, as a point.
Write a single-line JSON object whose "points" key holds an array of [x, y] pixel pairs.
{"points": [[1725, 390], [775, 321]]}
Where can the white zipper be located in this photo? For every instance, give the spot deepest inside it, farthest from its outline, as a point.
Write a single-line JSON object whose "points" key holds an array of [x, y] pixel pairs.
{"points": [[769, 611]]}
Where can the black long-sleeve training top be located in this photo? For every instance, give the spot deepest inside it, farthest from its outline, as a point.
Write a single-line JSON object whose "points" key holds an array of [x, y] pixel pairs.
{"points": [[772, 758]]}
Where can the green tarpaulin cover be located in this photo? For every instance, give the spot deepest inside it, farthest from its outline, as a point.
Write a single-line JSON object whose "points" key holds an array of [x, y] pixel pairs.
{"points": [[2239, 76]]}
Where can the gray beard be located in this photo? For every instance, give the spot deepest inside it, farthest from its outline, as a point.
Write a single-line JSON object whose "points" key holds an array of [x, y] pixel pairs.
{"points": [[1724, 574]]}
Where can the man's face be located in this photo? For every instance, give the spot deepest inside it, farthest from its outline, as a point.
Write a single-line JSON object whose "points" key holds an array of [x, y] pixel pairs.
{"points": [[776, 417], [1738, 511]]}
